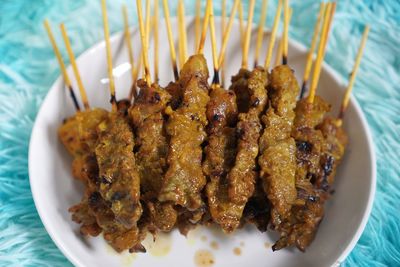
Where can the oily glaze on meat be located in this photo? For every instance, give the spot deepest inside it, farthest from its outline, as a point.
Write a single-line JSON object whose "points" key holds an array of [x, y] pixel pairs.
{"points": [[277, 148], [185, 128], [220, 157], [306, 213], [320, 147], [147, 116], [78, 133], [243, 175], [119, 177]]}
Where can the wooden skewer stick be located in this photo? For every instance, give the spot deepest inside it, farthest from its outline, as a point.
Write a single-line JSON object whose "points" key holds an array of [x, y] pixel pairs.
{"points": [[205, 27], [241, 23], [273, 36], [71, 55], [310, 54], [356, 66], [143, 39], [223, 22], [246, 45], [320, 55], [155, 32], [61, 63], [170, 40], [215, 81], [260, 31], [128, 40], [227, 32], [197, 24], [285, 49], [113, 99], [182, 33], [279, 53]]}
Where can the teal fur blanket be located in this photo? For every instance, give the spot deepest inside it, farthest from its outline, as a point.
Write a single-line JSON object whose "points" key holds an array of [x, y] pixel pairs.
{"points": [[28, 68]]}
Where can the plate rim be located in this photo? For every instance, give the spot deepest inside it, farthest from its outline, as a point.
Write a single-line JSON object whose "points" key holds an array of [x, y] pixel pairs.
{"points": [[297, 45]]}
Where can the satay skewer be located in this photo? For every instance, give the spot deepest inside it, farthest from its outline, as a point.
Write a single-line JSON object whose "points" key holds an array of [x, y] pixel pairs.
{"points": [[108, 55], [321, 53], [246, 44], [170, 40], [71, 55], [310, 54], [273, 36], [279, 53], [356, 66], [61, 63], [155, 32], [143, 39], [285, 48], [260, 31]]}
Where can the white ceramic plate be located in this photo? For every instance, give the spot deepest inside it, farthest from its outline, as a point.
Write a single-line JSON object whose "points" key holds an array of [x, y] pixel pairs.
{"points": [[54, 190]]}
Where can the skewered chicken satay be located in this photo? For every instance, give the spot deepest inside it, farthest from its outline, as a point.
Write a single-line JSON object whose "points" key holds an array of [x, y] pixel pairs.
{"points": [[184, 179], [152, 149], [185, 128], [114, 200], [312, 163], [222, 115], [250, 89], [307, 212], [277, 148], [331, 153]]}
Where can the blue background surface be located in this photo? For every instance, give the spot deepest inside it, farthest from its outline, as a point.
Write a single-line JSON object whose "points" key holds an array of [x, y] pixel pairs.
{"points": [[28, 68]]}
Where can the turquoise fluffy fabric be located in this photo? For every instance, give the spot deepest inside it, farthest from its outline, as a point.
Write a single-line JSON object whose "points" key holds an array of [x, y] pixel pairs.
{"points": [[28, 68]]}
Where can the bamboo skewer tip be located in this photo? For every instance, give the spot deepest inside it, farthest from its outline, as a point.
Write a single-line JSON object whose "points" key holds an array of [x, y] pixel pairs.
{"points": [[354, 71], [321, 53], [310, 54], [170, 39], [75, 69], [271, 45], [108, 55], [143, 39], [246, 44]]}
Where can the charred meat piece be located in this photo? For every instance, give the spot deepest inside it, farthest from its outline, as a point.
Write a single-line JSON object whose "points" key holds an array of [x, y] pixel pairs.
{"points": [[151, 150], [118, 174], [308, 211], [332, 153], [78, 133], [257, 210], [243, 175], [151, 146], [184, 179], [277, 148], [220, 157]]}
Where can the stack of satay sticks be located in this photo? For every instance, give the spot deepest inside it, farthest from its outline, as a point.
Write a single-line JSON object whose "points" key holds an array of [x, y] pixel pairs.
{"points": [[261, 151]]}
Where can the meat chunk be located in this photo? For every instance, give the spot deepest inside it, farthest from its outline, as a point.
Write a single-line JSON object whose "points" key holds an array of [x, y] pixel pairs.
{"points": [[277, 148], [184, 179], [118, 174], [250, 87], [147, 117], [220, 157]]}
